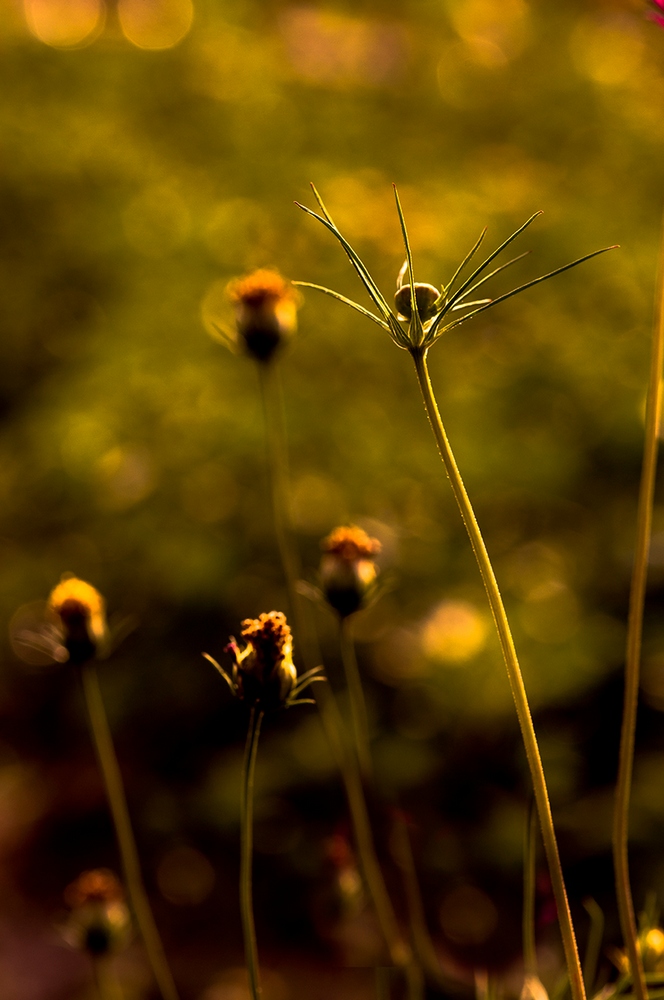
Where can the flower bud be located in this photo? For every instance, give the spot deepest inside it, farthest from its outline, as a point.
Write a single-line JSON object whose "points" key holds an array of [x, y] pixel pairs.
{"points": [[265, 312], [266, 674], [79, 613], [99, 920], [426, 297], [347, 569]]}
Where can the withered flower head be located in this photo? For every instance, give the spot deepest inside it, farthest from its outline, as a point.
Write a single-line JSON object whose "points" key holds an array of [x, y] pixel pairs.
{"points": [[265, 312], [263, 672], [99, 919], [347, 569], [79, 612]]}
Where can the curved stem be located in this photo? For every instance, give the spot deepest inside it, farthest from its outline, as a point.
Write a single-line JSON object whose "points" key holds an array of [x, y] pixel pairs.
{"points": [[633, 651], [118, 804], [514, 675], [246, 853], [358, 706]]}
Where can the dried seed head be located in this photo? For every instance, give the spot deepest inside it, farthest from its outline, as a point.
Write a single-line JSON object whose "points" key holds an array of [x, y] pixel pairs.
{"points": [[80, 614], [426, 297], [99, 919], [265, 312], [347, 569], [266, 672]]}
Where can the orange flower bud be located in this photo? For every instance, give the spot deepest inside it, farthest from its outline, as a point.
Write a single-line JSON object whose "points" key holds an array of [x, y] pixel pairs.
{"points": [[265, 312], [347, 569], [99, 920]]}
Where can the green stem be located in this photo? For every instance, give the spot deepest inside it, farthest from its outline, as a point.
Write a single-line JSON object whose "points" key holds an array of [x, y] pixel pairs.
{"points": [[246, 853], [633, 651], [277, 451], [529, 867], [358, 706], [514, 675], [118, 804], [108, 987]]}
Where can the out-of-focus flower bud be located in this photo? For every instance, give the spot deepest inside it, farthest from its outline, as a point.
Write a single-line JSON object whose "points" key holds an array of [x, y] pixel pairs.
{"points": [[79, 613], [99, 920], [652, 950], [265, 312], [266, 674], [347, 569]]}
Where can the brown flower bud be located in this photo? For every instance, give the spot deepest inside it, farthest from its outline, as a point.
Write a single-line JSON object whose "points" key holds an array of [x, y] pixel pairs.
{"points": [[426, 297], [266, 674], [347, 569], [79, 613], [99, 919], [265, 312]]}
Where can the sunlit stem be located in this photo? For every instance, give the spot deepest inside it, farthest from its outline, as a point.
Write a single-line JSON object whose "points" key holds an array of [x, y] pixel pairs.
{"points": [[633, 652], [347, 762], [514, 675], [358, 707], [246, 853], [118, 804], [529, 886]]}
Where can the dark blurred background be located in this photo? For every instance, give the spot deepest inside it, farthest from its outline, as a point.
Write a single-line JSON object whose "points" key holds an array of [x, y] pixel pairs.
{"points": [[150, 151]]}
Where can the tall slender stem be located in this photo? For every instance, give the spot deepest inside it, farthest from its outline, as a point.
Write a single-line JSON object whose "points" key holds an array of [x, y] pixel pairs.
{"points": [[128, 852], [246, 853], [514, 675], [106, 981], [358, 706], [633, 651], [275, 430]]}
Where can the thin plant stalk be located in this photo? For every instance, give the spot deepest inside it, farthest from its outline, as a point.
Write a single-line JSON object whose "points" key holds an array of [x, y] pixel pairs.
{"points": [[419, 932], [128, 852], [419, 356], [106, 981], [399, 949], [529, 886], [594, 945], [358, 705], [633, 651], [246, 853]]}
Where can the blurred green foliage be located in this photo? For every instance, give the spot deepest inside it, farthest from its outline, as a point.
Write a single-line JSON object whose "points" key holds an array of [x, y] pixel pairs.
{"points": [[135, 182]]}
